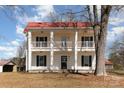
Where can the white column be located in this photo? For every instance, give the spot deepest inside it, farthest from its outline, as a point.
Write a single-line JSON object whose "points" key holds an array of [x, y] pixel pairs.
{"points": [[93, 61], [75, 49], [26, 63], [29, 51], [26, 53], [51, 49]]}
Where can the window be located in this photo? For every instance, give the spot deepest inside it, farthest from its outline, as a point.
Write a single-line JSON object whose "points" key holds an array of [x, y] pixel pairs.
{"points": [[41, 60], [64, 41], [41, 41], [86, 61], [87, 41]]}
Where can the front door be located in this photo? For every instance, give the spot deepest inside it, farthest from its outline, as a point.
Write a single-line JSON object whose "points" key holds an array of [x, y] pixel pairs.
{"points": [[63, 62]]}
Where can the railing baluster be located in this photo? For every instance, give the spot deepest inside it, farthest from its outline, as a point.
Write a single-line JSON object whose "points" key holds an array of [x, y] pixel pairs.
{"points": [[67, 44]]}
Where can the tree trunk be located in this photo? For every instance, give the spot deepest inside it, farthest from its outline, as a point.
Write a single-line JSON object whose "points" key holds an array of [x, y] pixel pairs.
{"points": [[96, 31], [101, 41]]}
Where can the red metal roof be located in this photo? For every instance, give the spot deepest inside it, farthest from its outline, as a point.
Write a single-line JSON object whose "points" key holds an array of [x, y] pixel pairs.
{"points": [[108, 62], [56, 24]]}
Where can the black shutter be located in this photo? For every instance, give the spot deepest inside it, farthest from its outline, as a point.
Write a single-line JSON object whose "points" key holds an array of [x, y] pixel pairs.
{"points": [[82, 61], [36, 41], [82, 38], [90, 61], [45, 41], [37, 61], [45, 38], [91, 38], [82, 41], [36, 38], [44, 60], [91, 43]]}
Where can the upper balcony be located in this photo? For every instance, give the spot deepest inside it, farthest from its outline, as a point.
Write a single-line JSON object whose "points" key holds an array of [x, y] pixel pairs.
{"points": [[62, 45]]}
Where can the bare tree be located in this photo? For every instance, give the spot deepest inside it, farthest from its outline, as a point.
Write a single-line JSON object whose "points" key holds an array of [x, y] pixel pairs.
{"points": [[100, 33], [21, 50], [19, 60], [100, 30], [117, 53]]}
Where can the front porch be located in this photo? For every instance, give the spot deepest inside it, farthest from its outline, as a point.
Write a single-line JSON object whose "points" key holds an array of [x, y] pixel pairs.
{"points": [[62, 60]]}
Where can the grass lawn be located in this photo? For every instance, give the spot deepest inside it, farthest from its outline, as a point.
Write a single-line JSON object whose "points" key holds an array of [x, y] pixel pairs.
{"points": [[37, 80]]}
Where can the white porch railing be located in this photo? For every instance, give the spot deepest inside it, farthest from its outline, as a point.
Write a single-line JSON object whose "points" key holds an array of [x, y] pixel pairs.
{"points": [[63, 44], [85, 44], [41, 44]]}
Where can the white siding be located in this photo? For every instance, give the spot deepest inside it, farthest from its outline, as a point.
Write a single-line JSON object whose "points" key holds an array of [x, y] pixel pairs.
{"points": [[57, 53], [1, 68], [59, 35]]}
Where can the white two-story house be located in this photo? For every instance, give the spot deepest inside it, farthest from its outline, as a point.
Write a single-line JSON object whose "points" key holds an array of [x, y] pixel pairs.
{"points": [[57, 46]]}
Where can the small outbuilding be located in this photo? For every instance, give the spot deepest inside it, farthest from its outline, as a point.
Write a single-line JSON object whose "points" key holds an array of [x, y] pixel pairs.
{"points": [[6, 66], [108, 65], [20, 64]]}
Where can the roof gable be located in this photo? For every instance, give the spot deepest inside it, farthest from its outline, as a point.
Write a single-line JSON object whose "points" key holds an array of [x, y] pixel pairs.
{"points": [[6, 62]]}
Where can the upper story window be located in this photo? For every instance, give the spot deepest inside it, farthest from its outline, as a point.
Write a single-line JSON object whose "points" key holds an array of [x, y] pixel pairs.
{"points": [[87, 41], [41, 41], [63, 41]]}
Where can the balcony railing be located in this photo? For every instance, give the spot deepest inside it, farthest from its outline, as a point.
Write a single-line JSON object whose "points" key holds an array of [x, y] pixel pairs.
{"points": [[41, 44], [64, 44], [85, 44]]}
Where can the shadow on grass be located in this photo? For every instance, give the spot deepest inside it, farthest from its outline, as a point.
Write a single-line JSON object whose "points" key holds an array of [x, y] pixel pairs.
{"points": [[76, 73], [83, 74], [57, 73]]}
